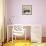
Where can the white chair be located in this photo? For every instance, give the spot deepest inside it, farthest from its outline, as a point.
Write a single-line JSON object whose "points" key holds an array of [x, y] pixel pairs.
{"points": [[17, 31]]}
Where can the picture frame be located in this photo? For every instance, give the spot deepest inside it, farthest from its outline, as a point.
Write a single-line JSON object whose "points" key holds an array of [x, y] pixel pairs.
{"points": [[26, 9]]}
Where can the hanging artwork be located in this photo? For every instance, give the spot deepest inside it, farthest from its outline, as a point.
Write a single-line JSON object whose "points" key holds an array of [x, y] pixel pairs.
{"points": [[26, 9]]}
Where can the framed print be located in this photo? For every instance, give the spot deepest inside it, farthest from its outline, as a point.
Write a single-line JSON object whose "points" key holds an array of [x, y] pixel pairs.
{"points": [[26, 9]]}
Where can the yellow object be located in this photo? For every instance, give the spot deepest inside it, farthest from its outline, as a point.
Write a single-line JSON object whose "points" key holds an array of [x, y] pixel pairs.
{"points": [[23, 43], [18, 43]]}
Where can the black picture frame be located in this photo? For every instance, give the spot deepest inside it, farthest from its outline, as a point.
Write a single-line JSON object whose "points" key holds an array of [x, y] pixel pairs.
{"points": [[26, 9]]}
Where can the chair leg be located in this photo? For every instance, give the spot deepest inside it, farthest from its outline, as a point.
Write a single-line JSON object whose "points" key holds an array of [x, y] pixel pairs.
{"points": [[15, 38], [25, 36]]}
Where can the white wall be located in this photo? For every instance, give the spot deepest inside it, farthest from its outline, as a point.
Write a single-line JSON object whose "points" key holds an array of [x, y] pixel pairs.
{"points": [[38, 16]]}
